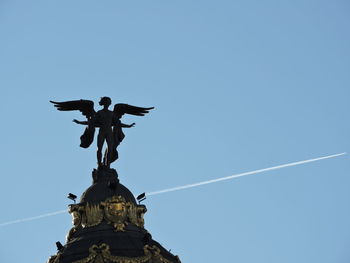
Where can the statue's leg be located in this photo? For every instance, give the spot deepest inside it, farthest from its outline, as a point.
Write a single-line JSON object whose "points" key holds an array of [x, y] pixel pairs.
{"points": [[100, 140], [110, 145]]}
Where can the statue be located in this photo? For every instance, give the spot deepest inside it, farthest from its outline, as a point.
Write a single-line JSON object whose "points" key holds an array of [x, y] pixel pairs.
{"points": [[108, 122]]}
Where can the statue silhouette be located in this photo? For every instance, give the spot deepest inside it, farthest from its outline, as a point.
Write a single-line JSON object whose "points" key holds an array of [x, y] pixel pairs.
{"points": [[108, 122]]}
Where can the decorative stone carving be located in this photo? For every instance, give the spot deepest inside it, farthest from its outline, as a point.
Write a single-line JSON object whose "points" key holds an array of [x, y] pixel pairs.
{"points": [[115, 210]]}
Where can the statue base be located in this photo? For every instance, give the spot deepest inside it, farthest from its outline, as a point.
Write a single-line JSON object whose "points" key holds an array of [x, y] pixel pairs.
{"points": [[104, 174]]}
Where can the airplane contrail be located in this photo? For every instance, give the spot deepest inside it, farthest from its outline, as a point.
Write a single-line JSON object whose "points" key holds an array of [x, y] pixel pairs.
{"points": [[242, 174], [189, 185], [32, 218]]}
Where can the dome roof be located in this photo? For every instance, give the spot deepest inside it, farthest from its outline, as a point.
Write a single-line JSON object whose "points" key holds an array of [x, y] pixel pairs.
{"points": [[109, 227], [105, 185]]}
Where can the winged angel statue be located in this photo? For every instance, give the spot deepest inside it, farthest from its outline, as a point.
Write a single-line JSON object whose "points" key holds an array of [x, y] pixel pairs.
{"points": [[108, 122]]}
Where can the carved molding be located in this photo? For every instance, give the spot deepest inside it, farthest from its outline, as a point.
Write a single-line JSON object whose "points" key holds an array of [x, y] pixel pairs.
{"points": [[102, 254], [115, 210]]}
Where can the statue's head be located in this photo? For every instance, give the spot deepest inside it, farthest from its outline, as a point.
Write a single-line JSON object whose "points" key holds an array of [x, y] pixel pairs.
{"points": [[105, 101]]}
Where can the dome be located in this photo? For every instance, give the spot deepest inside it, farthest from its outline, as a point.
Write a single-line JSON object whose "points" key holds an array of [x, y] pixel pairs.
{"points": [[105, 185], [109, 227]]}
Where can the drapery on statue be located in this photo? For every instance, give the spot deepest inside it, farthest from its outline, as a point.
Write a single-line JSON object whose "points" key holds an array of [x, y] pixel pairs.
{"points": [[108, 122]]}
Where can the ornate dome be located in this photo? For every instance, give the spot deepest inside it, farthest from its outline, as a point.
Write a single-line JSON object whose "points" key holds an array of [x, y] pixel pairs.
{"points": [[109, 227], [105, 185]]}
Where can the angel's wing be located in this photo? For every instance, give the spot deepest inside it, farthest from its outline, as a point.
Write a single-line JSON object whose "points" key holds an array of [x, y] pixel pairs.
{"points": [[121, 109], [86, 107]]}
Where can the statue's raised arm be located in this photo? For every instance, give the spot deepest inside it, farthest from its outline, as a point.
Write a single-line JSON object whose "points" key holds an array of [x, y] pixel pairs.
{"points": [[108, 122]]}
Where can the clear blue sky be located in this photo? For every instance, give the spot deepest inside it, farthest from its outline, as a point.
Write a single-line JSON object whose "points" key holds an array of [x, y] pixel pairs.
{"points": [[237, 86]]}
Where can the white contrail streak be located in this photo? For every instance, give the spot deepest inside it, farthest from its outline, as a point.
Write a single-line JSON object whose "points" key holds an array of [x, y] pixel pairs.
{"points": [[242, 174], [32, 218], [188, 186]]}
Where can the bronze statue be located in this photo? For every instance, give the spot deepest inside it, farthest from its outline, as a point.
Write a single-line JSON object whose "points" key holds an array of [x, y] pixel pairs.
{"points": [[108, 122]]}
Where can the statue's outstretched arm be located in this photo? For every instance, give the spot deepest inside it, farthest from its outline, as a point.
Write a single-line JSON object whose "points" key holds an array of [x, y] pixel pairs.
{"points": [[127, 125], [81, 122]]}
